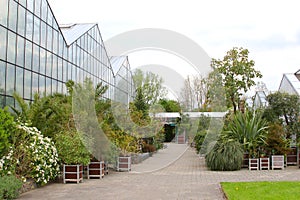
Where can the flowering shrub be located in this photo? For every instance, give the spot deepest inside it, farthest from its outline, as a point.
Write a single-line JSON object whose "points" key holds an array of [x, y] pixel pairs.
{"points": [[44, 158], [35, 157]]}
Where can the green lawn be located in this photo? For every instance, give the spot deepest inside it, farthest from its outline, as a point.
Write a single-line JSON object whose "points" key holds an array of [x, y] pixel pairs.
{"points": [[262, 190]]}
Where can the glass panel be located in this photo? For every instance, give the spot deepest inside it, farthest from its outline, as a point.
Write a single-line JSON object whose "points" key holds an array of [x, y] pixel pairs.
{"points": [[69, 72], [27, 84], [28, 54], [59, 69], [21, 21], [59, 87], [49, 38], [42, 83], [10, 79], [35, 83], [35, 58], [49, 64], [29, 26], [36, 37], [48, 86], [50, 18], [11, 47], [3, 33], [23, 2], [43, 34], [30, 4], [19, 81], [20, 51], [44, 10], [54, 86], [42, 61], [37, 7], [65, 71], [10, 101], [55, 40], [3, 12], [54, 67], [2, 75], [13, 7]]}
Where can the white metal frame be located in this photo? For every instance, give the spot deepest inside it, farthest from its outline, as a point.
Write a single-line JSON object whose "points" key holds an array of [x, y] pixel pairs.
{"points": [[121, 164], [256, 167], [277, 162], [264, 163], [77, 173]]}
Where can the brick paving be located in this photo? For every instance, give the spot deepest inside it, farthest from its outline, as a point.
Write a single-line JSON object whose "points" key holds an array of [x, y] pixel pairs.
{"points": [[185, 178]]}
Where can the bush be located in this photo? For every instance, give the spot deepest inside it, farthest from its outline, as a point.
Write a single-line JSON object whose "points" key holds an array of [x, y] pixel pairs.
{"points": [[199, 139], [226, 155], [9, 187], [6, 128], [70, 148]]}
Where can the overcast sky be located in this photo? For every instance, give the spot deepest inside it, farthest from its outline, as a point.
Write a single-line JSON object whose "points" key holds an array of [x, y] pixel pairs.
{"points": [[270, 30]]}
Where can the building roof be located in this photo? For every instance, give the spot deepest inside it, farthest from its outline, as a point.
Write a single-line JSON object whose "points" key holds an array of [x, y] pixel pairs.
{"points": [[72, 32], [292, 80], [117, 62], [190, 114]]}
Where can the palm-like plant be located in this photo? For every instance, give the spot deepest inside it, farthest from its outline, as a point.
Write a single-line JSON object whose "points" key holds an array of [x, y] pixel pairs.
{"points": [[249, 129]]}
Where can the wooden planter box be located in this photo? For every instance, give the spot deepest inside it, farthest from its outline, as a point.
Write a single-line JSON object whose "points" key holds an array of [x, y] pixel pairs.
{"points": [[95, 170], [72, 173], [245, 163], [253, 163], [264, 163], [277, 162], [291, 157], [124, 164]]}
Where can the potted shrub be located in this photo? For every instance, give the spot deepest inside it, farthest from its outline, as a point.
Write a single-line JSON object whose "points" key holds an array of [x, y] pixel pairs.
{"points": [[72, 154], [95, 169]]}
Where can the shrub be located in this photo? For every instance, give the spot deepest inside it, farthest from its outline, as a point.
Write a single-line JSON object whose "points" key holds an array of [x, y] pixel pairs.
{"points": [[9, 187], [34, 156], [226, 155], [70, 148], [6, 128], [199, 139]]}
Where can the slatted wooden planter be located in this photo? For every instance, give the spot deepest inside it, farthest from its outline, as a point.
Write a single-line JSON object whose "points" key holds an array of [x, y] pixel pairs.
{"points": [[253, 164], [264, 163], [95, 170], [245, 163], [72, 173], [124, 164], [277, 162], [291, 157]]}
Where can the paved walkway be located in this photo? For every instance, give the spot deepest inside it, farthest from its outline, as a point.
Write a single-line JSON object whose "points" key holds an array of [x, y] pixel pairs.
{"points": [[186, 178]]}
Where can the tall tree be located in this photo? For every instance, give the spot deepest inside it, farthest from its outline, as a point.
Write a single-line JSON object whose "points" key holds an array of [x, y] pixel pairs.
{"points": [[150, 85], [170, 105], [238, 74], [287, 107]]}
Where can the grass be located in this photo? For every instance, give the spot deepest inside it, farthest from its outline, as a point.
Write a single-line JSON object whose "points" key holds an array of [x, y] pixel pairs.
{"points": [[288, 190]]}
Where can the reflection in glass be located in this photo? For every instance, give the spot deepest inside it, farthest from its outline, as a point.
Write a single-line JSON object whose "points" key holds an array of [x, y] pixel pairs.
{"points": [[35, 58], [29, 26], [2, 75], [28, 54], [36, 36], [20, 51], [42, 61], [3, 33], [10, 79], [19, 81], [27, 84], [49, 64], [13, 15], [35, 83], [48, 86], [42, 84], [21, 21], [11, 47], [3, 12]]}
